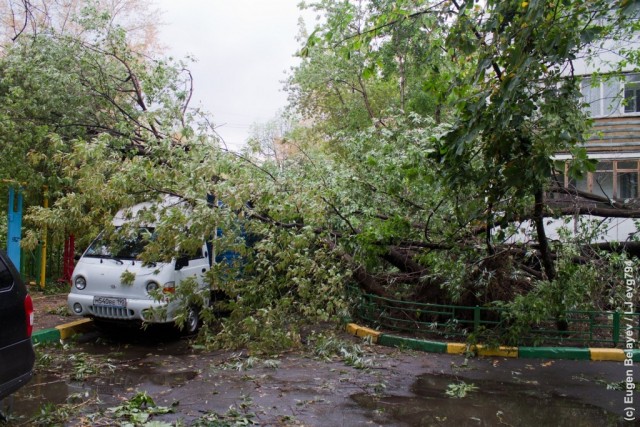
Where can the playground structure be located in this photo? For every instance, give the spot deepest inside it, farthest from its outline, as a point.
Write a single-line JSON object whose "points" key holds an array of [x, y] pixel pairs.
{"points": [[42, 264], [14, 226], [58, 263]]}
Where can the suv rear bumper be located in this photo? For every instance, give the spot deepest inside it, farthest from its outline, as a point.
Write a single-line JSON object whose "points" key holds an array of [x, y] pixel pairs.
{"points": [[18, 360], [13, 385]]}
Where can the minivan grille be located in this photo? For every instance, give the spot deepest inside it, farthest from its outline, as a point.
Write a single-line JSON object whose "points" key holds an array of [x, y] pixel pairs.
{"points": [[112, 312]]}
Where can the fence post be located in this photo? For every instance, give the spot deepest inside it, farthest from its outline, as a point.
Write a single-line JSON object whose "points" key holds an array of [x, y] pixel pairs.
{"points": [[476, 319], [616, 328]]}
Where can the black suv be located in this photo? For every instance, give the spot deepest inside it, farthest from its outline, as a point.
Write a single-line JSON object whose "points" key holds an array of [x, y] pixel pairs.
{"points": [[16, 324]]}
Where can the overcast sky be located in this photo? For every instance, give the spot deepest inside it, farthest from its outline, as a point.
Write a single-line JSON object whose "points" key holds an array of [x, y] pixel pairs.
{"points": [[243, 48]]}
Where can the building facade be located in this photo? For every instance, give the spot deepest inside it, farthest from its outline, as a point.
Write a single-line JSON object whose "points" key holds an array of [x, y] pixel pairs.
{"points": [[614, 141]]}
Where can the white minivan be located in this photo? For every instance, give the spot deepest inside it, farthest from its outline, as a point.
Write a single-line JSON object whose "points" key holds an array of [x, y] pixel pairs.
{"points": [[98, 290]]}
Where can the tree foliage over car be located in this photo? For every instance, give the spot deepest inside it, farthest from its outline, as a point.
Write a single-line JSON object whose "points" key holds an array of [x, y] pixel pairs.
{"points": [[426, 130]]}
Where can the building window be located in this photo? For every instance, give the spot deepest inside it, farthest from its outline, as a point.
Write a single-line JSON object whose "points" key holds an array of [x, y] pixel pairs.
{"points": [[627, 179], [591, 97], [601, 98], [627, 185], [614, 179], [632, 97], [602, 180], [612, 97]]}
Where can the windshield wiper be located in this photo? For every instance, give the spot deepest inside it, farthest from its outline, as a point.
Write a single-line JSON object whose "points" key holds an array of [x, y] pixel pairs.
{"points": [[118, 260]]}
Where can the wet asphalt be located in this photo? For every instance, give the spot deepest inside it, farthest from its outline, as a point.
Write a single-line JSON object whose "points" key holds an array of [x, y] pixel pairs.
{"points": [[390, 387]]}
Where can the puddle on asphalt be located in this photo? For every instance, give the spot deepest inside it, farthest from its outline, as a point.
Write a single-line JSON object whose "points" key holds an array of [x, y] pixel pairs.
{"points": [[491, 404], [41, 390], [50, 389], [136, 377], [143, 361]]}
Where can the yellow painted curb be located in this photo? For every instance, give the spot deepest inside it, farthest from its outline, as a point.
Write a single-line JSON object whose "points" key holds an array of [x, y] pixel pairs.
{"points": [[481, 350], [502, 351], [69, 329], [456, 348], [361, 331], [611, 354]]}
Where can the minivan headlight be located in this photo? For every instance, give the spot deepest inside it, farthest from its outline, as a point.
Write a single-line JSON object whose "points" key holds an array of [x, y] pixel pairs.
{"points": [[152, 286], [80, 283], [169, 288]]}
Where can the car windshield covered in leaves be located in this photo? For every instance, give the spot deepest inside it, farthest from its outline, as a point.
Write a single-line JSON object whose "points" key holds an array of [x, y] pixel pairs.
{"points": [[128, 248]]}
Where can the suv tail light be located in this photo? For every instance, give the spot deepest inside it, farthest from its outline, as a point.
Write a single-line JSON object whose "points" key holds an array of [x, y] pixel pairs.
{"points": [[28, 311]]}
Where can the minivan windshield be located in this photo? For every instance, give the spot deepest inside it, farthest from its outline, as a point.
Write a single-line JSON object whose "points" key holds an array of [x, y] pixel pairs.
{"points": [[128, 248]]}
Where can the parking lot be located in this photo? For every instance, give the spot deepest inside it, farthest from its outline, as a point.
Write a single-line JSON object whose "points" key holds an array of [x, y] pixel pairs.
{"points": [[337, 380]]}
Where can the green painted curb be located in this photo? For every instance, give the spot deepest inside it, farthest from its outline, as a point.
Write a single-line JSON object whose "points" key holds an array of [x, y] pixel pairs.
{"points": [[61, 332], [429, 346], [574, 353], [46, 336], [635, 354]]}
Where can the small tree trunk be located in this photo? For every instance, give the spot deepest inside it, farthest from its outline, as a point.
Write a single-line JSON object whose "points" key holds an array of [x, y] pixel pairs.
{"points": [[538, 219]]}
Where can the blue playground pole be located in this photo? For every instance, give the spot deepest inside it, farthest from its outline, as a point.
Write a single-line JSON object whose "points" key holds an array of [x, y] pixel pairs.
{"points": [[14, 231]]}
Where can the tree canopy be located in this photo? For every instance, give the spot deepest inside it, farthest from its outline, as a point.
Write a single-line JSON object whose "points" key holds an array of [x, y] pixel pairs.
{"points": [[419, 134]]}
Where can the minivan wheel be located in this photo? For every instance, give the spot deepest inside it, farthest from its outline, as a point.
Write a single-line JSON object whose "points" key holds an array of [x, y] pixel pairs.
{"points": [[192, 322]]}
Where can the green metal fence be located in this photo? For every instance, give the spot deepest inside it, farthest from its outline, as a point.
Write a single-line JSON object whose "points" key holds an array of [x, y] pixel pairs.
{"points": [[31, 263], [584, 328]]}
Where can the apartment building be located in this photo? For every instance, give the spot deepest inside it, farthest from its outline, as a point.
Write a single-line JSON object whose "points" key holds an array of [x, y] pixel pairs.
{"points": [[614, 141]]}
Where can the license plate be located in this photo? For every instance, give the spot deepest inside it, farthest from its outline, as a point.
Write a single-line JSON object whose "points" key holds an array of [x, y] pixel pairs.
{"points": [[110, 301]]}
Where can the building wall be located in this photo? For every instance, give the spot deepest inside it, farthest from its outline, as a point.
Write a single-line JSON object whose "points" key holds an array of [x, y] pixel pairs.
{"points": [[614, 141], [588, 228]]}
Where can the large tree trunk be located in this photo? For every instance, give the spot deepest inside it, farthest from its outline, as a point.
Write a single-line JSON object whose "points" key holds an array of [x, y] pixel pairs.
{"points": [[366, 281], [545, 253], [402, 261], [431, 290]]}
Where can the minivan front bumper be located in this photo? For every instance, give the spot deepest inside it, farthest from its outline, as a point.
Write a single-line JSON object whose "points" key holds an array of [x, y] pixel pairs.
{"points": [[134, 309]]}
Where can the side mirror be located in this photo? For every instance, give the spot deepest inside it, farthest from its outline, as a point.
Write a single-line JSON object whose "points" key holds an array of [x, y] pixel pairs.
{"points": [[181, 262], [77, 257]]}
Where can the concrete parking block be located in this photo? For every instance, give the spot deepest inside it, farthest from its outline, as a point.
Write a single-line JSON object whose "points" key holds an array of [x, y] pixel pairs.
{"points": [[62, 332], [77, 327]]}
